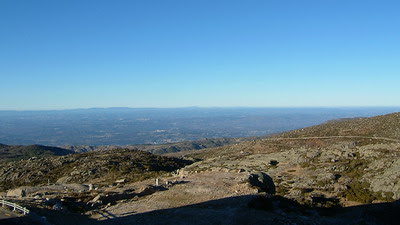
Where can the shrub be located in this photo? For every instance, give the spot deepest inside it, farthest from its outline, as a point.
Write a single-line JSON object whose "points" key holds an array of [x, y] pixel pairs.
{"points": [[359, 192]]}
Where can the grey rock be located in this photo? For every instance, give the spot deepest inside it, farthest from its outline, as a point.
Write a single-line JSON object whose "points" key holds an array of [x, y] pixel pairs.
{"points": [[95, 199], [313, 154], [63, 180], [120, 181], [18, 192], [58, 206], [262, 182]]}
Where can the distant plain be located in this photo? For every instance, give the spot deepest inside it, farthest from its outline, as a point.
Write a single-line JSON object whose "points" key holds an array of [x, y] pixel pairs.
{"points": [[130, 126]]}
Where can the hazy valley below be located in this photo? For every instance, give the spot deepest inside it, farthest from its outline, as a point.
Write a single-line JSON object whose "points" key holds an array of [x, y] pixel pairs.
{"points": [[129, 126]]}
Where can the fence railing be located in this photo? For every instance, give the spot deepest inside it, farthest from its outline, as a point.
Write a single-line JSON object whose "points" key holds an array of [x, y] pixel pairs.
{"points": [[14, 206]]}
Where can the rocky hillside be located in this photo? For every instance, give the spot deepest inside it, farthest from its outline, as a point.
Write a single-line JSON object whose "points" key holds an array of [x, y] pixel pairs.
{"points": [[163, 148], [101, 167], [387, 126], [192, 145], [354, 161], [17, 152]]}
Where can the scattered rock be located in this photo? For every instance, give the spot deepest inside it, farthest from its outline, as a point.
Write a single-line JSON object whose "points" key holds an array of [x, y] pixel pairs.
{"points": [[147, 191], [95, 199], [37, 197], [58, 206], [273, 162], [63, 180], [121, 181], [76, 187], [241, 170], [313, 154]]}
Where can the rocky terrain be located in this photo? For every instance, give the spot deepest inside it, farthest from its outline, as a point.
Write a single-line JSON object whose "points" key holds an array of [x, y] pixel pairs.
{"points": [[163, 148], [100, 168], [343, 169], [386, 126], [340, 172]]}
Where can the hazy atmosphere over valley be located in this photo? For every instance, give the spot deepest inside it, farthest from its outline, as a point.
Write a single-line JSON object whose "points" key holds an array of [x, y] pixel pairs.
{"points": [[199, 112]]}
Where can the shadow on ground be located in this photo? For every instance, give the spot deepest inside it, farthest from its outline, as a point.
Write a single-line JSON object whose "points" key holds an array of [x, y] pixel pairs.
{"points": [[245, 210]]}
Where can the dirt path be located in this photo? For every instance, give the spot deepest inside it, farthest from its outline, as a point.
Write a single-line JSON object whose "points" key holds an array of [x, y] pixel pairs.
{"points": [[194, 189], [331, 137]]}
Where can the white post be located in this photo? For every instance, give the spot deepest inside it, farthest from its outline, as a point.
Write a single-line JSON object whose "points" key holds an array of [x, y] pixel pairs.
{"points": [[156, 181], [15, 205]]}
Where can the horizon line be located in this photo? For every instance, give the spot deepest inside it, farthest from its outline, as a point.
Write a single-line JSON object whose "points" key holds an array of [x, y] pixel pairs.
{"points": [[200, 107]]}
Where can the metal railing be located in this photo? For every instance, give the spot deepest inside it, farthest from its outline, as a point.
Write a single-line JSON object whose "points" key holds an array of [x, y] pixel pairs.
{"points": [[14, 206]]}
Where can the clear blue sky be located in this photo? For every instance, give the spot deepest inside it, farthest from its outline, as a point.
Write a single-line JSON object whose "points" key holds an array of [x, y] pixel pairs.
{"points": [[81, 54]]}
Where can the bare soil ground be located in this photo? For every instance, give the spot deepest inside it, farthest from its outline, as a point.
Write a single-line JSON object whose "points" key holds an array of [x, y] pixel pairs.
{"points": [[191, 189]]}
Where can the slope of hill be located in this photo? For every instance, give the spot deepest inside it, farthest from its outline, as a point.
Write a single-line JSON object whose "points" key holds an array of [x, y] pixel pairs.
{"points": [[352, 160], [17, 152], [387, 126], [100, 167]]}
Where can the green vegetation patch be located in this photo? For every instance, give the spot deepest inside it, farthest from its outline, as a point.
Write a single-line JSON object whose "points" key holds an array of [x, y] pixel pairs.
{"points": [[359, 192]]}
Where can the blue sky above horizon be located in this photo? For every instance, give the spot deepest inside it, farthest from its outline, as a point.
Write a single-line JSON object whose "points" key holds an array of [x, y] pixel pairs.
{"points": [[83, 54]]}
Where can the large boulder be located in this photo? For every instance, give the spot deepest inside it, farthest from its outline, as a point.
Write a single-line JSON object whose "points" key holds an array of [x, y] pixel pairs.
{"points": [[18, 192], [262, 182]]}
